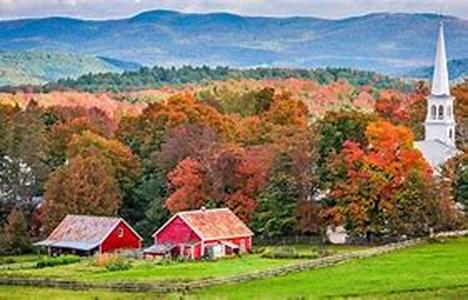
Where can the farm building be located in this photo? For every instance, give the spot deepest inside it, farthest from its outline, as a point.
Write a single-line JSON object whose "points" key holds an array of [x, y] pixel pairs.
{"points": [[202, 233], [87, 235]]}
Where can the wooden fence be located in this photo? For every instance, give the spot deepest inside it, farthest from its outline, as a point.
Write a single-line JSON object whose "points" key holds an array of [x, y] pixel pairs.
{"points": [[167, 287]]}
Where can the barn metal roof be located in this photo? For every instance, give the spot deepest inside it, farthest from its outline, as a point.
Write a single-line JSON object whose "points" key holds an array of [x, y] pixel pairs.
{"points": [[82, 232], [159, 249], [212, 224], [70, 245]]}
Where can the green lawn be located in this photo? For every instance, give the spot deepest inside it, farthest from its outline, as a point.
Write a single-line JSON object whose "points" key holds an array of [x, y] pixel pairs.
{"points": [[429, 271], [150, 271], [437, 267], [27, 293]]}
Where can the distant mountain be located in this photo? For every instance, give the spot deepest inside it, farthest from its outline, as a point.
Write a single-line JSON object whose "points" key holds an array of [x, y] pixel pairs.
{"points": [[31, 67], [121, 64], [380, 42], [458, 70]]}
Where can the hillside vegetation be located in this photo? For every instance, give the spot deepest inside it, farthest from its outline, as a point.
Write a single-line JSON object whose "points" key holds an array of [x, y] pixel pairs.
{"points": [[30, 67], [147, 78], [458, 70]]}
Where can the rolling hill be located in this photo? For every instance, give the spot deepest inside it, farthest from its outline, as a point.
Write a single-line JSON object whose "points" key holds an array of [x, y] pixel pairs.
{"points": [[458, 70], [31, 67], [380, 42]]}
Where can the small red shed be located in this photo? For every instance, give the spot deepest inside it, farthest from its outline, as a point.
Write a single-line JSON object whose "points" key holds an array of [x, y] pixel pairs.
{"points": [[205, 233], [87, 235]]}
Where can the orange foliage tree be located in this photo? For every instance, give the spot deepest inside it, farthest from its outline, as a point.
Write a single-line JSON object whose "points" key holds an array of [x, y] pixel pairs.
{"points": [[382, 188], [86, 185]]}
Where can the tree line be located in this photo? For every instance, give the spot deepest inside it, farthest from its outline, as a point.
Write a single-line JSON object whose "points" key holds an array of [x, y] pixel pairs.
{"points": [[147, 78]]}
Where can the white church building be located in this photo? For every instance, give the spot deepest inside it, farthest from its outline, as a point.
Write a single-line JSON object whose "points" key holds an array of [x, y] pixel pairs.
{"points": [[439, 143]]}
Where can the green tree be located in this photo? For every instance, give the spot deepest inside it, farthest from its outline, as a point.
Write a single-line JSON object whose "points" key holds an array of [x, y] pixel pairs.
{"points": [[277, 202]]}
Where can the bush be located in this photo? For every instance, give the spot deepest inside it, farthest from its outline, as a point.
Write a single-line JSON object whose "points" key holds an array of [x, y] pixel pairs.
{"points": [[112, 262], [286, 252], [7, 261], [119, 265], [57, 261]]}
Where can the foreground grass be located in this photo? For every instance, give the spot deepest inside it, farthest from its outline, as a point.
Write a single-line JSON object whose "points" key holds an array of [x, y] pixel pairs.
{"points": [[436, 267], [22, 293]]}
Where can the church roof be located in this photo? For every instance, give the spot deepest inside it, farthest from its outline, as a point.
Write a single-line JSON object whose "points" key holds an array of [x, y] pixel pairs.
{"points": [[440, 81], [436, 152]]}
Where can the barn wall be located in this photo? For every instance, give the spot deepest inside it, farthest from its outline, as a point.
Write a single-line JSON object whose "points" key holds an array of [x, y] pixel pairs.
{"points": [[128, 241], [176, 232], [197, 251]]}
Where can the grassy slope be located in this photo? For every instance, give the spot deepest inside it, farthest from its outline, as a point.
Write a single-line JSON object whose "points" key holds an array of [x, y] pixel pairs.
{"points": [[435, 266], [40, 67], [144, 271]]}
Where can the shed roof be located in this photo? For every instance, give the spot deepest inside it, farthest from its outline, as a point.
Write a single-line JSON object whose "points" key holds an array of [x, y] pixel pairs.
{"points": [[159, 249], [212, 224], [82, 232]]}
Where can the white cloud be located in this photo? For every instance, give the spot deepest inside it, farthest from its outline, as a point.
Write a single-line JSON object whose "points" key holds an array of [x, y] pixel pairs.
{"points": [[323, 8]]}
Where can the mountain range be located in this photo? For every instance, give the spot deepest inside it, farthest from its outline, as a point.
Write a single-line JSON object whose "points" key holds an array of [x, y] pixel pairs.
{"points": [[384, 42]]}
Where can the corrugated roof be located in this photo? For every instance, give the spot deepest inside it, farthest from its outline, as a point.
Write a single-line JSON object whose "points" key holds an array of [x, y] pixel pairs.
{"points": [[70, 245], [214, 224], [159, 249], [81, 232]]}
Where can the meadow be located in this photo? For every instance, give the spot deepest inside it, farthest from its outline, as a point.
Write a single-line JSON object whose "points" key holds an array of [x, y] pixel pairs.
{"points": [[435, 270], [438, 269]]}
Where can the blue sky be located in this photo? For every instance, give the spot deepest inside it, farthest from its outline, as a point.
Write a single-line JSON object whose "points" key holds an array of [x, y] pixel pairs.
{"points": [[98, 9]]}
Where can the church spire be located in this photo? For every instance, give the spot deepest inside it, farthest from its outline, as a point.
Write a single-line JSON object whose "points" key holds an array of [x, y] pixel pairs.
{"points": [[440, 81]]}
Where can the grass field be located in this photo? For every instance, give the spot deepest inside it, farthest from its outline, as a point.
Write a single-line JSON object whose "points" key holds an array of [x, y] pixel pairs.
{"points": [[22, 293], [435, 267], [429, 271], [149, 271]]}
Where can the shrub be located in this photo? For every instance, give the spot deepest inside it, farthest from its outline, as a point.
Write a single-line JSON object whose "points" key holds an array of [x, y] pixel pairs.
{"points": [[287, 253], [7, 261], [57, 261], [112, 262], [119, 265]]}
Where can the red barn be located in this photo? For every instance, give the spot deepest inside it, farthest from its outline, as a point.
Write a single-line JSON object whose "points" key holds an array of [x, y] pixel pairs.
{"points": [[86, 235], [204, 233]]}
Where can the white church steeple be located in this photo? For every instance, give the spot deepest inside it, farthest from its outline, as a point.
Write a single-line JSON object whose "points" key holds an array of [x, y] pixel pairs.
{"points": [[440, 80], [440, 121]]}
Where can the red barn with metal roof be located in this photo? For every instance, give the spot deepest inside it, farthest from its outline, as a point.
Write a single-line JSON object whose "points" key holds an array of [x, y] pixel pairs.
{"points": [[86, 235], [205, 233]]}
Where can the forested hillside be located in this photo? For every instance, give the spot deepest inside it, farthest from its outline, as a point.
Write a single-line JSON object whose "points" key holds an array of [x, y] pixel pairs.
{"points": [[458, 70], [17, 68], [156, 77]]}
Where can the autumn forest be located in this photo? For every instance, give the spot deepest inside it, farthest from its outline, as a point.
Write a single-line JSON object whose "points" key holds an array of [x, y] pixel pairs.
{"points": [[289, 156]]}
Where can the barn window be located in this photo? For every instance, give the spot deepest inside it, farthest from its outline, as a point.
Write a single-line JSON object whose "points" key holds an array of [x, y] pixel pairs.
{"points": [[433, 112], [441, 112], [120, 232]]}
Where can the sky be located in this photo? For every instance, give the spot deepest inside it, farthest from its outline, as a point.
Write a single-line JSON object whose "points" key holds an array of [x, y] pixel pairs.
{"points": [[105, 9]]}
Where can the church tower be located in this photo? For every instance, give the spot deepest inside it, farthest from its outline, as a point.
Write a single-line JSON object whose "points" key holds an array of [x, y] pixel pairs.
{"points": [[440, 121]]}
